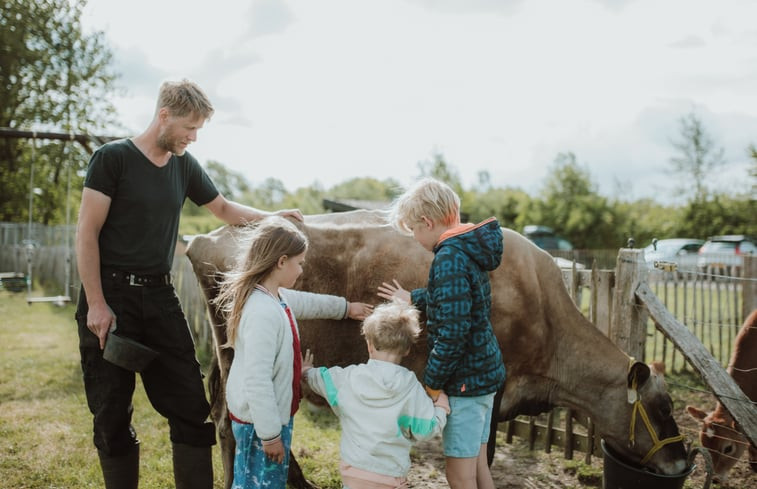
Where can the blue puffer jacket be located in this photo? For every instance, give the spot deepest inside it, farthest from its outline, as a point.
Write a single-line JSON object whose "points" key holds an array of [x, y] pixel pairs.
{"points": [[464, 356]]}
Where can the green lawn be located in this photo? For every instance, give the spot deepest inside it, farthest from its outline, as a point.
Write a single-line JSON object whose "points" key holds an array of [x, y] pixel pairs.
{"points": [[46, 427]]}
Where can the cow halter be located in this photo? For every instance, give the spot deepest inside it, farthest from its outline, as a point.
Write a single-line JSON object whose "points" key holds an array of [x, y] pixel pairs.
{"points": [[638, 407]]}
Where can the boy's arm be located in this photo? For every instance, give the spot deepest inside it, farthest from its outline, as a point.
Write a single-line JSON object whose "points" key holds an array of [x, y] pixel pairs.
{"points": [[394, 291], [427, 418], [453, 322], [325, 382]]}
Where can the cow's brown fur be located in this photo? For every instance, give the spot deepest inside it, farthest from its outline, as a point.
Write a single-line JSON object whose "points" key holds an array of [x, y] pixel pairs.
{"points": [[719, 433], [553, 355]]}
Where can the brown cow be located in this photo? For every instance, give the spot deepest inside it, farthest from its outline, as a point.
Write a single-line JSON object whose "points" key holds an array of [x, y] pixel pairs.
{"points": [[553, 355], [719, 433]]}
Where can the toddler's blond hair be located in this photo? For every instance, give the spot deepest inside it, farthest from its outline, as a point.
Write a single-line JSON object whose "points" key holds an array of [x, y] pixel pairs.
{"points": [[392, 327]]}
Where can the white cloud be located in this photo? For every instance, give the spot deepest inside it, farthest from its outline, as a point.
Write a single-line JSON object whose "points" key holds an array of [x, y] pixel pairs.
{"points": [[329, 90]]}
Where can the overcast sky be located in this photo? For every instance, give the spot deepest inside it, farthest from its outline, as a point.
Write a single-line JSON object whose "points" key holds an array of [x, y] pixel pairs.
{"points": [[326, 90]]}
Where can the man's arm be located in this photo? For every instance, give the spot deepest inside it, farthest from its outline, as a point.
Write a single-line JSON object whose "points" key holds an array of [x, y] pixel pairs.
{"points": [[92, 213], [238, 214]]}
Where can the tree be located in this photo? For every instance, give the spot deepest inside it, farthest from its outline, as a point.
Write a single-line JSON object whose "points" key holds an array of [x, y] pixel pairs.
{"points": [[53, 76], [753, 170], [229, 183], [570, 204], [438, 168], [697, 157], [505, 204], [366, 189]]}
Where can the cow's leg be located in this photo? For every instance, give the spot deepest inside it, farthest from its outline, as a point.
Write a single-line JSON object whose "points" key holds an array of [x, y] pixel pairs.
{"points": [[296, 478], [753, 457], [220, 415], [228, 445], [491, 445]]}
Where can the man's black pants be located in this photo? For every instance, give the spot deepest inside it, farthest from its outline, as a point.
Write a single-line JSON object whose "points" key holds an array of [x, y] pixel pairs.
{"points": [[173, 382]]}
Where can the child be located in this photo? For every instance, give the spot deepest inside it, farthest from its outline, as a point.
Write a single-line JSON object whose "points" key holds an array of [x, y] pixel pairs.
{"points": [[373, 399], [464, 356], [263, 387]]}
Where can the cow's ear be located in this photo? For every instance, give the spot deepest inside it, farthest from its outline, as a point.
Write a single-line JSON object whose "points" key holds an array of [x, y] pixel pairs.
{"points": [[658, 368], [640, 372], [696, 413]]}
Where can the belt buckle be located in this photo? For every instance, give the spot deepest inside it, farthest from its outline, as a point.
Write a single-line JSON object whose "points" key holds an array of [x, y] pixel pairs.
{"points": [[132, 282]]}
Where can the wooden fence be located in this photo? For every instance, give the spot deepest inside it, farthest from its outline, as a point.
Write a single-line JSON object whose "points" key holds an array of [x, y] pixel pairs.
{"points": [[711, 308]]}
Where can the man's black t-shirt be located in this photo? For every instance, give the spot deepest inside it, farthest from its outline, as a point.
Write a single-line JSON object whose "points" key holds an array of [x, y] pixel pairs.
{"points": [[140, 231]]}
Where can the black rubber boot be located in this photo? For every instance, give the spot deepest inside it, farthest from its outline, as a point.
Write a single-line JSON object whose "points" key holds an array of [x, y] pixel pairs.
{"points": [[192, 467], [121, 472]]}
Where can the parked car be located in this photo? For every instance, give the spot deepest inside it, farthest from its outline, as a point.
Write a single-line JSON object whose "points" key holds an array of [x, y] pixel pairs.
{"points": [[681, 251], [545, 238], [725, 254]]}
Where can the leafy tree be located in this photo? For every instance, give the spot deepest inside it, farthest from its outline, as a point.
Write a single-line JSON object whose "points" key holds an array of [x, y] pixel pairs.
{"points": [[504, 204], [309, 200], [646, 219], [753, 170], [367, 189], [721, 214], [697, 157], [231, 184], [438, 168], [571, 205], [53, 77]]}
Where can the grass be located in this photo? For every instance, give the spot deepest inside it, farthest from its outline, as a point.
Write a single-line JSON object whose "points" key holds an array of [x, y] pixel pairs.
{"points": [[46, 426]]}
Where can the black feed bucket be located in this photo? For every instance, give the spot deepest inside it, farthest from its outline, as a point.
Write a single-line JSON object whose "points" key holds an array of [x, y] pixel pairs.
{"points": [[619, 475], [127, 353]]}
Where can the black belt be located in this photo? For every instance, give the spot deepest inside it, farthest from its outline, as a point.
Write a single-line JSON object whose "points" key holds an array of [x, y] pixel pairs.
{"points": [[138, 280]]}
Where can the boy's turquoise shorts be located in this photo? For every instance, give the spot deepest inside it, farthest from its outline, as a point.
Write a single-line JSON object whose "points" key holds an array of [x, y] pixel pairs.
{"points": [[467, 425]]}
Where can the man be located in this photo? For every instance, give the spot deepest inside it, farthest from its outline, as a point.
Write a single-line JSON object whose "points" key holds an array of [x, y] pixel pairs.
{"points": [[127, 230]]}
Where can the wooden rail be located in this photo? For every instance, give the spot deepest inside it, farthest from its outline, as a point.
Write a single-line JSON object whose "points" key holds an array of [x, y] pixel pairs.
{"points": [[721, 384]]}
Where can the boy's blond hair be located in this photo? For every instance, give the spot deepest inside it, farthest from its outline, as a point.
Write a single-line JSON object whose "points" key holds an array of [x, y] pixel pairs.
{"points": [[392, 327], [184, 98], [428, 198]]}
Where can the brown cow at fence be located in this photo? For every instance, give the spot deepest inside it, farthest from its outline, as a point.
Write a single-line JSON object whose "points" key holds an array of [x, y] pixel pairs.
{"points": [[719, 433], [553, 355]]}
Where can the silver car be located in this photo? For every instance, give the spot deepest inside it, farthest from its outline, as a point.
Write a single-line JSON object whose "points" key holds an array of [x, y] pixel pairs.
{"points": [[681, 251], [725, 254]]}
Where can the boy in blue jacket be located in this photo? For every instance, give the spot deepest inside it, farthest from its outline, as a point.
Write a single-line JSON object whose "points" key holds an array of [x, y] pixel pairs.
{"points": [[464, 357]]}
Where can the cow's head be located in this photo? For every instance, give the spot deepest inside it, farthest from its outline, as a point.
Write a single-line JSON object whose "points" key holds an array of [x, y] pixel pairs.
{"points": [[719, 436], [652, 439]]}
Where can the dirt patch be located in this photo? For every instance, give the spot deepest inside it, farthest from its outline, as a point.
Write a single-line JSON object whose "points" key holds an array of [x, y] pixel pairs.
{"points": [[517, 467], [514, 467]]}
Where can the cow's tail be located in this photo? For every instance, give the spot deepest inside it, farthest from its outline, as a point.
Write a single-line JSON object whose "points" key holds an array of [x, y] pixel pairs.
{"points": [[214, 381]]}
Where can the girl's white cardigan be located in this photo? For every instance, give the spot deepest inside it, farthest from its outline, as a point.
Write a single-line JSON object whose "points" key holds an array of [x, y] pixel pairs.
{"points": [[259, 386]]}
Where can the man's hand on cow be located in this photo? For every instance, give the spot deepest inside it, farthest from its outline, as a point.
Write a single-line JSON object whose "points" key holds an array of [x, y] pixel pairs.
{"points": [[359, 310], [294, 213], [394, 292], [307, 361]]}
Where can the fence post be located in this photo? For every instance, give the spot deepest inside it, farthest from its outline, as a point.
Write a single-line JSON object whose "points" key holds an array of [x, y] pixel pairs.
{"points": [[749, 302], [628, 328]]}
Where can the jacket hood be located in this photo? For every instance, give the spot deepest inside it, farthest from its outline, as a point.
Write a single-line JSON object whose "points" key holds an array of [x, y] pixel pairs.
{"points": [[382, 384], [482, 242]]}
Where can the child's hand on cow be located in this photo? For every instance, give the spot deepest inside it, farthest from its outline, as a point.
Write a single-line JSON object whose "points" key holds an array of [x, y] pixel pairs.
{"points": [[359, 310], [307, 361], [394, 292]]}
